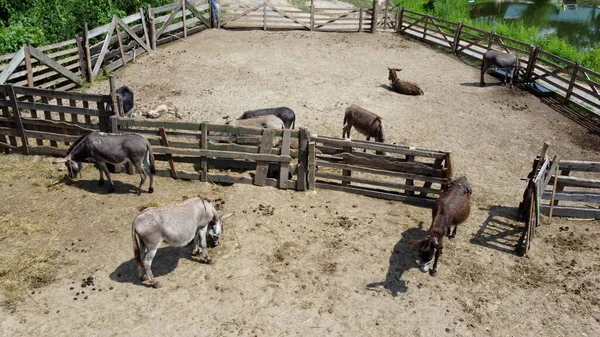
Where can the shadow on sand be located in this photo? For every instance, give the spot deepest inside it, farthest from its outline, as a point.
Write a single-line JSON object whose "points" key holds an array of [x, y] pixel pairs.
{"points": [[501, 230], [403, 258]]}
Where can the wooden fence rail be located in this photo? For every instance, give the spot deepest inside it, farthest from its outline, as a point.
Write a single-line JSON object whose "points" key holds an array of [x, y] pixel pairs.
{"points": [[403, 173]]}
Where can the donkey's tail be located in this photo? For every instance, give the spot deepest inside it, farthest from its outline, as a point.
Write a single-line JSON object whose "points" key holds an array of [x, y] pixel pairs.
{"points": [[150, 159], [136, 247]]}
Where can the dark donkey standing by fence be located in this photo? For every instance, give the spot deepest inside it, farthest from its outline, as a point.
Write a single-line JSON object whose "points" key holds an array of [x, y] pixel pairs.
{"points": [[451, 209], [127, 95], [113, 148], [500, 60]]}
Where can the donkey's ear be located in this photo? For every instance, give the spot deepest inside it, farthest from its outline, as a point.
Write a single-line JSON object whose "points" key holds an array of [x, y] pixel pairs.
{"points": [[414, 242], [226, 216]]}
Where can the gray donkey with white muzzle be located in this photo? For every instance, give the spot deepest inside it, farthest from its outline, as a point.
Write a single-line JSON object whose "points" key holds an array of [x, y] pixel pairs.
{"points": [[113, 148]]}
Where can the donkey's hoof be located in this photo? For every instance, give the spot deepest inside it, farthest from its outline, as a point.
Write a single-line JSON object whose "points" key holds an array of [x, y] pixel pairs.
{"points": [[151, 190], [433, 272], [209, 260], [144, 278], [139, 192], [156, 284]]}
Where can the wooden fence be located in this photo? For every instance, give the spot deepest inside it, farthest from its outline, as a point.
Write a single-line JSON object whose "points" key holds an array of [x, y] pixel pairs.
{"points": [[46, 120], [542, 72], [192, 150], [403, 173], [168, 23]]}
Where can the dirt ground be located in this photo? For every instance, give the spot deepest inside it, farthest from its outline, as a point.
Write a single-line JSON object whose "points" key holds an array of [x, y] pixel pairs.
{"points": [[319, 263]]}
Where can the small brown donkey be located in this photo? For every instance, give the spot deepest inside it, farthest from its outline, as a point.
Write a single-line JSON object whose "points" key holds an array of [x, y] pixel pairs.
{"points": [[403, 87], [451, 209]]}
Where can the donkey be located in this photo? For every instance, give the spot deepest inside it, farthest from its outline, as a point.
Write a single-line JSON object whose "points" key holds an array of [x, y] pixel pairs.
{"points": [[114, 148], [403, 87], [284, 113], [127, 100], [365, 122], [500, 60], [176, 225], [452, 208]]}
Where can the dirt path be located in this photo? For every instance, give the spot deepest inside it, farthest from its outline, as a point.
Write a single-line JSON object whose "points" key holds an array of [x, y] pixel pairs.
{"points": [[323, 263]]}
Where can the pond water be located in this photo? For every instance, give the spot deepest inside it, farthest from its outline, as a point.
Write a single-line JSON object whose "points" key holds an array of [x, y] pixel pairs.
{"points": [[575, 21]]}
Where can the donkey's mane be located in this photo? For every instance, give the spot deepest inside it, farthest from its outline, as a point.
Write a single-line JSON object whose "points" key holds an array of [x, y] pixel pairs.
{"points": [[75, 143]]}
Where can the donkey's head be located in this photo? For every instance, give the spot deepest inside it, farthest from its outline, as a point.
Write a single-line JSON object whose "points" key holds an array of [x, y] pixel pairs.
{"points": [[215, 228], [392, 74], [427, 248], [74, 168]]}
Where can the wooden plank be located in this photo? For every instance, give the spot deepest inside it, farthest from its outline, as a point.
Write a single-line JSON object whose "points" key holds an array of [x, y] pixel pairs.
{"points": [[380, 147], [284, 169], [81, 57], [17, 116], [5, 112], [55, 66], [48, 117], [54, 124], [312, 166], [197, 14], [168, 22], [12, 65], [145, 27], [238, 16], [59, 94], [376, 194], [583, 196], [263, 167], [222, 154], [380, 172], [132, 34], [28, 67], [151, 26], [387, 163], [184, 17], [51, 136], [575, 212], [88, 55], [346, 157], [576, 182], [304, 138], [289, 17], [100, 60], [61, 109], [120, 43], [165, 142]]}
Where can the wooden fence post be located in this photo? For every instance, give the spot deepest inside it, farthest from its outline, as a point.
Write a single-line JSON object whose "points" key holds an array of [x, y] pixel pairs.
{"points": [[17, 117], [346, 173], [385, 18], [399, 19], [81, 54], [312, 15], [151, 28], [312, 167], [121, 50], [374, 17], [456, 42], [28, 66], [425, 27], [204, 146], [491, 41], [360, 19], [265, 15], [303, 159], [183, 15], [572, 83], [531, 63], [113, 94], [88, 56]]}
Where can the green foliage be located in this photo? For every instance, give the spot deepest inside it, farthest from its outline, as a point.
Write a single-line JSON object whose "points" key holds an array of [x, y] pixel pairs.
{"points": [[39, 22]]}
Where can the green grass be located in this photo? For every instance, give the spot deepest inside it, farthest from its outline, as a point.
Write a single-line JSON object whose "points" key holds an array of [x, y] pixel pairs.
{"points": [[458, 10]]}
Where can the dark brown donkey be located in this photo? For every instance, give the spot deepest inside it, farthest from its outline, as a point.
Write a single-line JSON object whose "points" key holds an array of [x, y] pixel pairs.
{"points": [[452, 208]]}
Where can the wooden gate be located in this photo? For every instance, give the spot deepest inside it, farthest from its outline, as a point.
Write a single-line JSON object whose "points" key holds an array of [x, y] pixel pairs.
{"points": [[168, 23]]}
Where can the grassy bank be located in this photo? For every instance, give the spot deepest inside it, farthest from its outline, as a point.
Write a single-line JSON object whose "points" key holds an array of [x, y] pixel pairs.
{"points": [[458, 10]]}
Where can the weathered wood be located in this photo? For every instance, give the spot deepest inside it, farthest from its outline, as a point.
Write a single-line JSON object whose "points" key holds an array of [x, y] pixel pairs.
{"points": [[577, 182], [289, 17], [569, 211], [360, 20], [380, 147], [284, 169], [198, 14], [348, 159], [410, 182], [60, 94], [531, 63], [81, 56], [17, 116], [113, 92], [184, 17], [380, 172], [571, 83], [168, 22], [376, 194], [238, 16], [151, 27], [120, 42], [265, 16], [384, 163], [204, 146], [121, 109], [374, 12], [578, 196], [399, 19], [312, 166], [55, 66], [28, 66], [100, 60], [583, 166], [165, 143], [263, 167], [385, 18], [131, 33], [48, 117], [12, 66], [223, 154], [312, 15], [61, 109], [424, 191], [304, 138], [88, 55], [51, 136]]}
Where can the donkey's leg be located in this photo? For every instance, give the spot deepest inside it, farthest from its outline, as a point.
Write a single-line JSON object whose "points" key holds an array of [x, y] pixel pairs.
{"points": [[454, 232], [148, 265], [142, 172], [101, 181], [149, 171], [202, 233], [196, 250], [433, 271], [103, 167], [143, 276]]}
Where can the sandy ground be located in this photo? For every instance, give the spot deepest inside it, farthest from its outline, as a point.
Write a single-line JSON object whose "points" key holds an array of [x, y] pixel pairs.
{"points": [[319, 263]]}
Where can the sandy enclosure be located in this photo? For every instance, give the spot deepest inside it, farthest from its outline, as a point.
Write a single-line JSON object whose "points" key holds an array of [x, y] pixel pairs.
{"points": [[322, 263]]}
